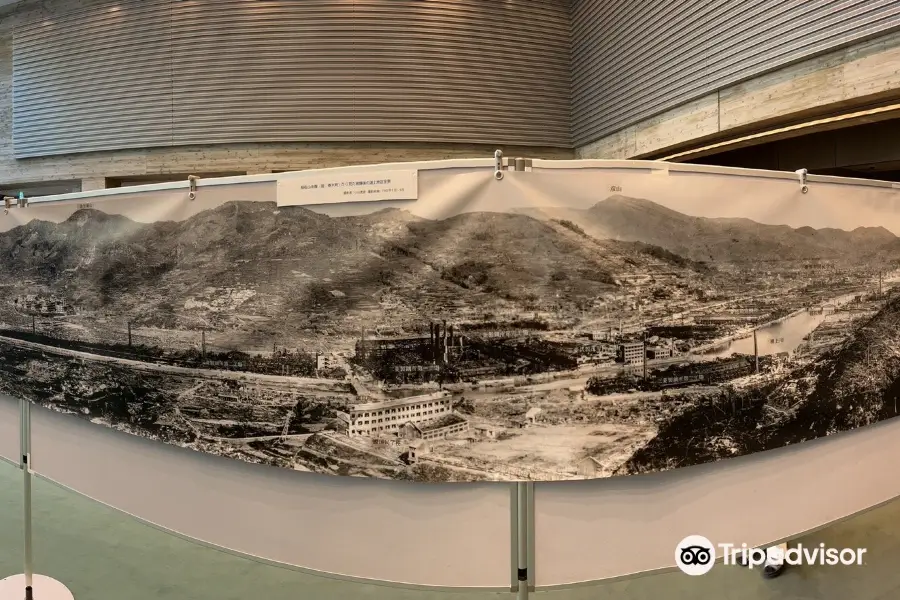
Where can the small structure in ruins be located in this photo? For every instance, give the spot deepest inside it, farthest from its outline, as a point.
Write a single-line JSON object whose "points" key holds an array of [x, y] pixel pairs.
{"points": [[441, 428], [532, 414], [417, 448]]}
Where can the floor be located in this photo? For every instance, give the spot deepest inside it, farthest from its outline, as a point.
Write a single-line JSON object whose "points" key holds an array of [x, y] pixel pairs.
{"points": [[102, 554]]}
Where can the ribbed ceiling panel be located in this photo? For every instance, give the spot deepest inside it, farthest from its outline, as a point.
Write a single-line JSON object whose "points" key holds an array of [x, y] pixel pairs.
{"points": [[175, 72], [633, 59]]}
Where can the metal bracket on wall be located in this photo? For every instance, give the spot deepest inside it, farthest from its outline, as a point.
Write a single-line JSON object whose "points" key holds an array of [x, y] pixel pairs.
{"points": [[12, 201], [520, 164], [802, 173], [509, 164], [192, 182], [498, 165]]}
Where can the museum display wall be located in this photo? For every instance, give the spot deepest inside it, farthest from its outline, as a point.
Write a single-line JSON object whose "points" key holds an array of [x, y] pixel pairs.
{"points": [[237, 87], [668, 331]]}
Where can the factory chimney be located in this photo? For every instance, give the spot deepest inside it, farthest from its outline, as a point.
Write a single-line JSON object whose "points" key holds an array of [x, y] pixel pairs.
{"points": [[644, 343], [444, 342], [431, 337]]}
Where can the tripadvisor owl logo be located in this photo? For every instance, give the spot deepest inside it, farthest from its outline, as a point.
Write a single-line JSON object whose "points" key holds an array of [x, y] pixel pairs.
{"points": [[695, 555]]}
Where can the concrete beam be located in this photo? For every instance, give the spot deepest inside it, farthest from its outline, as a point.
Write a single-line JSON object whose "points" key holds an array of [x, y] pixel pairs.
{"points": [[93, 183], [857, 76]]}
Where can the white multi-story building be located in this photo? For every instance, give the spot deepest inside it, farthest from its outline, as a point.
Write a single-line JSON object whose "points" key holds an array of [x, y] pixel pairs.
{"points": [[391, 415], [631, 353]]}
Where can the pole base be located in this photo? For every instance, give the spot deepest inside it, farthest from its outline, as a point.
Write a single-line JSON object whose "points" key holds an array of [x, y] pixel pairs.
{"points": [[43, 588]]}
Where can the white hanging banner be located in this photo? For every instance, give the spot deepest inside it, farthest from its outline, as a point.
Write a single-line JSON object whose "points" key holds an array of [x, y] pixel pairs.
{"points": [[335, 187]]}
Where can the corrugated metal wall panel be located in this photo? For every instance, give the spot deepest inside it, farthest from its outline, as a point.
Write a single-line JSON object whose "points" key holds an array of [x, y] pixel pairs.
{"points": [[93, 77], [172, 72], [633, 59]]}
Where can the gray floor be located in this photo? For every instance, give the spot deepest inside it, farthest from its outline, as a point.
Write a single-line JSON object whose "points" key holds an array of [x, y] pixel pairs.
{"points": [[102, 554]]}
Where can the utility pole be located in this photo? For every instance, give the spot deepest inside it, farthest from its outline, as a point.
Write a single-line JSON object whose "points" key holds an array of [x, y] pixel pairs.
{"points": [[129, 334], [202, 343], [755, 353]]}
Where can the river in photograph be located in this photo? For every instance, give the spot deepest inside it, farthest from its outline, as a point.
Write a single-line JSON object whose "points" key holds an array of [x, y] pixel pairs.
{"points": [[784, 336], [772, 339]]}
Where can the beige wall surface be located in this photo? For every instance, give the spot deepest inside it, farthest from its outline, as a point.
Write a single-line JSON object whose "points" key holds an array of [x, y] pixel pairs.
{"points": [[852, 77]]}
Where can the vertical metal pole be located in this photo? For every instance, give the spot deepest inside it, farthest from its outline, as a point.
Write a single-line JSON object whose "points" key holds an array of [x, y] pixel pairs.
{"points": [[529, 536], [514, 537], [25, 464]]}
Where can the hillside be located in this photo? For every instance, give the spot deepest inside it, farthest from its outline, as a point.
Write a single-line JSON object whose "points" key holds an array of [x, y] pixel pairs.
{"points": [[859, 384], [246, 265], [856, 385], [718, 240]]}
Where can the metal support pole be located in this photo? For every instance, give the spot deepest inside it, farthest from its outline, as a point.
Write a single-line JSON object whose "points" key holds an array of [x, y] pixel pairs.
{"points": [[25, 465], [522, 513], [522, 549], [34, 585]]}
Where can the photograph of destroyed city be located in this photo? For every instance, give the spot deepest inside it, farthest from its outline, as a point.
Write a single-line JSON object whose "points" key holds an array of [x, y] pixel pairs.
{"points": [[530, 344]]}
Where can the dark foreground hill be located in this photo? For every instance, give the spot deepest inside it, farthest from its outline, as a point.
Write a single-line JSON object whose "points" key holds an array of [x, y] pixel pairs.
{"points": [[855, 385]]}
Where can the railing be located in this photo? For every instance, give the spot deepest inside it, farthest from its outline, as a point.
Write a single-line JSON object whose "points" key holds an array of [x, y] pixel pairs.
{"points": [[419, 537]]}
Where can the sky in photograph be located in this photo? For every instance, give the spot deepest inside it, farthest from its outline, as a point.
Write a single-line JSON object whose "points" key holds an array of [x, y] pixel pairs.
{"points": [[443, 194]]}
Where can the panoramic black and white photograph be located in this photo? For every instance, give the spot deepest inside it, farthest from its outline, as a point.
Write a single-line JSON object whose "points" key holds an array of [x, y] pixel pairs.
{"points": [[614, 334]]}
